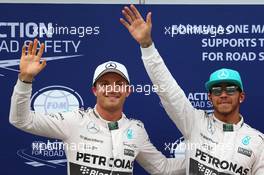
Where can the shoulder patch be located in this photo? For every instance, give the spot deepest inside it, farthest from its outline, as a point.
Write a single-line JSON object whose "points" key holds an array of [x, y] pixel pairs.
{"points": [[81, 112], [256, 132], [57, 116], [261, 136], [61, 116], [206, 114], [138, 122]]}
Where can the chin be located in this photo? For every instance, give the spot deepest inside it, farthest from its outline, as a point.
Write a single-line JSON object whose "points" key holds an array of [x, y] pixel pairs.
{"points": [[112, 107], [225, 112]]}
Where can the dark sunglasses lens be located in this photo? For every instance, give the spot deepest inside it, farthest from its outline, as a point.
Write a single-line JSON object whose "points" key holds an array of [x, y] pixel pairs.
{"points": [[230, 90], [216, 91]]}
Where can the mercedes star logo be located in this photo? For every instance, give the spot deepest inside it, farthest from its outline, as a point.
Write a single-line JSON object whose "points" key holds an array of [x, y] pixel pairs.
{"points": [[110, 65], [223, 74], [92, 128]]}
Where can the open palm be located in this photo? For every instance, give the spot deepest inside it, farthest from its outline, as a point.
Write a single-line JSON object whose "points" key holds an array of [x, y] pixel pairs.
{"points": [[138, 28], [30, 63]]}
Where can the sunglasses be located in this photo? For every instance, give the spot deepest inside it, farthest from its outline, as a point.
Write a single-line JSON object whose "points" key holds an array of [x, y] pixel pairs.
{"points": [[218, 90]]}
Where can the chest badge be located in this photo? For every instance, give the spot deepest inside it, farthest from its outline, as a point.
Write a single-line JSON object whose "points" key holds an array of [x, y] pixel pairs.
{"points": [[129, 133], [93, 128], [246, 140]]}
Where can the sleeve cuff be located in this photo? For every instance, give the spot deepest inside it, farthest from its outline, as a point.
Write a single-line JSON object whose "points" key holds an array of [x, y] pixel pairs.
{"points": [[23, 87], [148, 52]]}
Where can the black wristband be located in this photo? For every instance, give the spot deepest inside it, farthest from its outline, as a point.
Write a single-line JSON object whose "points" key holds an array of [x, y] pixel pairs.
{"points": [[27, 82]]}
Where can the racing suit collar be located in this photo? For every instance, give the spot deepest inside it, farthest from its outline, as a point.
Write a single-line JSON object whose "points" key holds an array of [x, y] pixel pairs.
{"points": [[107, 124], [226, 127]]}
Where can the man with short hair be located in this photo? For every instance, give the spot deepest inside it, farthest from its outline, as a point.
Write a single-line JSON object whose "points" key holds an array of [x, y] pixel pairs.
{"points": [[106, 141], [218, 143]]}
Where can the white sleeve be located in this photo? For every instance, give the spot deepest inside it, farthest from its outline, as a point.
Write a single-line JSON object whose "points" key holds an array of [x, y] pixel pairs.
{"points": [[154, 162], [258, 167], [52, 125], [172, 96]]}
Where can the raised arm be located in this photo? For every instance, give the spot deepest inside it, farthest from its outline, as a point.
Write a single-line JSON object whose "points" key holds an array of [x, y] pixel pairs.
{"points": [[139, 29], [52, 125], [172, 96]]}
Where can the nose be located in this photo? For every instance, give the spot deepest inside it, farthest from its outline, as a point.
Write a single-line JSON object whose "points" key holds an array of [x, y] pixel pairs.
{"points": [[223, 94], [112, 88]]}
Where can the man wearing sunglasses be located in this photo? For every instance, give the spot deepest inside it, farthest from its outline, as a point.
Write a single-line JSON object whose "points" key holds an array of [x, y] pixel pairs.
{"points": [[226, 94], [218, 143]]}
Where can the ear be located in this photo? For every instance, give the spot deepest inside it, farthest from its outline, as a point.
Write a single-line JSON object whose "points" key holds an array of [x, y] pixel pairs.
{"points": [[242, 97], [94, 91], [209, 96]]}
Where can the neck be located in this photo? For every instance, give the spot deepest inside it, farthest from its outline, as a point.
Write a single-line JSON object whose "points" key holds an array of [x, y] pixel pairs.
{"points": [[228, 118], [109, 115]]}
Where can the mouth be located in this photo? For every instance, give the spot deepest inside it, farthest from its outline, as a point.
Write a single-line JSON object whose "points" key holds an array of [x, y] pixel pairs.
{"points": [[112, 96], [224, 103]]}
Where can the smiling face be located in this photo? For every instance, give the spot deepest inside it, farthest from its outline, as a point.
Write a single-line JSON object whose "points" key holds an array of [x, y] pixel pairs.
{"points": [[111, 90], [226, 99]]}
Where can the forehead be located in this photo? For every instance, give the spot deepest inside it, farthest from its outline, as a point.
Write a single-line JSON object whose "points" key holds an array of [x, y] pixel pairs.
{"points": [[111, 76]]}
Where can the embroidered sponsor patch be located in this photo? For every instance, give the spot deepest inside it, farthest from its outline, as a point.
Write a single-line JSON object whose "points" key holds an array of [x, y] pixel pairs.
{"points": [[129, 152], [244, 151]]}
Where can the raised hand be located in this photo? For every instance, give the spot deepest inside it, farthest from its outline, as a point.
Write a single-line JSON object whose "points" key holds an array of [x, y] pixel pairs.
{"points": [[30, 63], [138, 28]]}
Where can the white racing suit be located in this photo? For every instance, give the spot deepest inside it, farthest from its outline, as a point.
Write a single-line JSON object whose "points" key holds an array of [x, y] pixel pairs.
{"points": [[213, 147], [93, 148]]}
